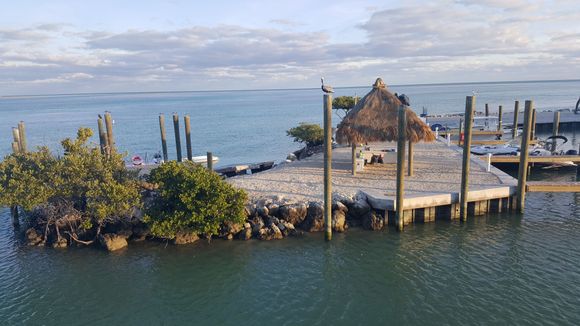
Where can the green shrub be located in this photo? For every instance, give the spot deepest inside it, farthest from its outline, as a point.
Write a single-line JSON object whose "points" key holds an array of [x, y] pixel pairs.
{"points": [[99, 188], [311, 134], [344, 102], [192, 199]]}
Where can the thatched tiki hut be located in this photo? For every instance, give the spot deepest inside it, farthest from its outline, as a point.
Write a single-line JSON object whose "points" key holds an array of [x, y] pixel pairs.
{"points": [[375, 118]]}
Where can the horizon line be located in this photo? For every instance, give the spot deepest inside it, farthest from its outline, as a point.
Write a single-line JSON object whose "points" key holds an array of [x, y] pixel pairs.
{"points": [[280, 89]]}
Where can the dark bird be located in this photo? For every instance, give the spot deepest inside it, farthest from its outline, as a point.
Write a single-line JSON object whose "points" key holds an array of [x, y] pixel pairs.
{"points": [[100, 116], [326, 88]]}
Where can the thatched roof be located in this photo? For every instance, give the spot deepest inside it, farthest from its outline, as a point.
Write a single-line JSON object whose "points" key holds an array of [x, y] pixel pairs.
{"points": [[375, 118]]}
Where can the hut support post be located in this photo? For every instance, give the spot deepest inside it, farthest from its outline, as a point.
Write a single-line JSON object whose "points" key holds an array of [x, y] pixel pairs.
{"points": [[459, 135], [22, 133], [187, 123], [177, 137], [102, 135], [400, 167], [555, 129], [110, 139], [469, 107], [327, 166], [353, 157], [410, 170], [163, 137], [515, 127], [499, 118], [524, 150]]}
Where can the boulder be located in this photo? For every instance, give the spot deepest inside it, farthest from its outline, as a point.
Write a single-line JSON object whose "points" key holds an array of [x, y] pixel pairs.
{"points": [[33, 238], [257, 224], [246, 233], [314, 221], [373, 221], [273, 209], [262, 211], [294, 213], [339, 211], [229, 229], [250, 210], [112, 242], [140, 231], [183, 237], [60, 243], [342, 198], [289, 228], [264, 234], [359, 209], [276, 232]]}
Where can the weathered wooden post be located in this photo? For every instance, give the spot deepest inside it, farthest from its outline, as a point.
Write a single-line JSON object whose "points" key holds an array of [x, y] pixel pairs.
{"points": [[15, 147], [327, 166], [102, 135], [555, 129], [516, 111], [469, 107], [459, 136], [177, 136], [524, 150], [16, 139], [533, 133], [110, 139], [353, 157], [402, 124], [163, 137], [209, 159], [188, 137], [500, 118], [22, 133], [411, 156]]}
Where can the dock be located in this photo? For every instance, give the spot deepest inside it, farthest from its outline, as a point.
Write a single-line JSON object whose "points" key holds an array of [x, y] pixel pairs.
{"points": [[547, 186], [431, 193], [544, 119], [511, 159]]}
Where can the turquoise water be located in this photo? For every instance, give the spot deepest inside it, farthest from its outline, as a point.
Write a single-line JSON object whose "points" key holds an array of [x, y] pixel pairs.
{"points": [[506, 269], [238, 126]]}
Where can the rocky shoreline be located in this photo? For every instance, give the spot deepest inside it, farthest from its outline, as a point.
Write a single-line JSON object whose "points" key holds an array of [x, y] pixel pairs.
{"points": [[271, 218]]}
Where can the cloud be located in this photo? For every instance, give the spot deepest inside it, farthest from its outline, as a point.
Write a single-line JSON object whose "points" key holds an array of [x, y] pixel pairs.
{"points": [[453, 41]]}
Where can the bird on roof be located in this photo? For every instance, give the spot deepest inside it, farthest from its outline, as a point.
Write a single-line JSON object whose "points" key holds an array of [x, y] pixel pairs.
{"points": [[99, 116], [325, 88]]}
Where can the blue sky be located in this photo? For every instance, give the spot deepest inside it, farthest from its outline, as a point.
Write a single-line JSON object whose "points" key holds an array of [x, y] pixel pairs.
{"points": [[65, 46]]}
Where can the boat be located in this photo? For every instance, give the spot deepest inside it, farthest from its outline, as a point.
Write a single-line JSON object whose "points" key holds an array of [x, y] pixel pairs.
{"points": [[495, 150]]}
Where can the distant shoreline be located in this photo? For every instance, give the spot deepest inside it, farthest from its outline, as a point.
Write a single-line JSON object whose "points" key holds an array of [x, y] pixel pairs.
{"points": [[279, 89]]}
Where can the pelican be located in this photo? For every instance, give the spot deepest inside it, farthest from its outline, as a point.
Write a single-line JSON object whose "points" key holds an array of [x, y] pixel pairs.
{"points": [[326, 88]]}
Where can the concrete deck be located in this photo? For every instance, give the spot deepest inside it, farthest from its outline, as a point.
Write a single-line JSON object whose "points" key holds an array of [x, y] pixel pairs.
{"points": [[436, 181]]}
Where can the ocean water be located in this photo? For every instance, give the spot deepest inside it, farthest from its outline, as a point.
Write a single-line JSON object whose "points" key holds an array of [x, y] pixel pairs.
{"points": [[238, 126], [501, 269]]}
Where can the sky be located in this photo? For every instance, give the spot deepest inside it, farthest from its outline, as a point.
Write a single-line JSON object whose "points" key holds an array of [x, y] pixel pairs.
{"points": [[71, 46]]}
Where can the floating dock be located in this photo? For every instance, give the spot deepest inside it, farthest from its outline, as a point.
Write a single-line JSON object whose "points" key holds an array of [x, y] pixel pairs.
{"points": [[431, 193]]}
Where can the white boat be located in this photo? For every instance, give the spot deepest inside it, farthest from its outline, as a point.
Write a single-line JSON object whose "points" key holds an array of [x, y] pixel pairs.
{"points": [[495, 150], [202, 159]]}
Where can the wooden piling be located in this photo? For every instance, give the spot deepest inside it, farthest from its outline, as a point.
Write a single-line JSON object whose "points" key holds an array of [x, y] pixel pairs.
{"points": [[22, 133], [469, 107], [209, 161], [486, 110], [524, 150], [16, 139], [327, 107], [516, 111], [555, 129], [499, 118], [402, 124], [110, 139], [188, 137], [411, 156], [177, 136], [353, 157], [15, 147], [102, 136], [533, 133], [163, 137], [459, 138]]}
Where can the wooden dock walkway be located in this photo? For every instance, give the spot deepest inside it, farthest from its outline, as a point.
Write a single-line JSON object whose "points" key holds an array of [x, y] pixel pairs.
{"points": [[534, 159], [547, 186]]}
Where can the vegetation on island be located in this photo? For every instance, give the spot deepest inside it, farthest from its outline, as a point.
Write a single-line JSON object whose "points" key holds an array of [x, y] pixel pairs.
{"points": [[344, 103], [74, 194], [308, 133], [192, 199]]}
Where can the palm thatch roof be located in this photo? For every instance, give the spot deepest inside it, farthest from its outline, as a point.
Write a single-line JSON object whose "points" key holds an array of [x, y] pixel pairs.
{"points": [[375, 118]]}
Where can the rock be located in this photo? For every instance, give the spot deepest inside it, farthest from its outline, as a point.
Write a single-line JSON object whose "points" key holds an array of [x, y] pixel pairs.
{"points": [[60, 243], [257, 224], [229, 229], [183, 237], [339, 220], [273, 209], [264, 234], [314, 221], [276, 232], [373, 221], [294, 213], [246, 233], [33, 238], [262, 211], [140, 231], [112, 242], [250, 210], [343, 199], [291, 157], [359, 210], [289, 228]]}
